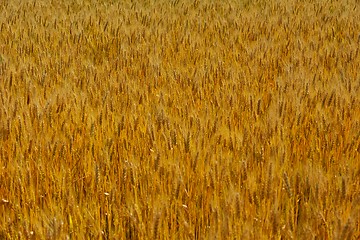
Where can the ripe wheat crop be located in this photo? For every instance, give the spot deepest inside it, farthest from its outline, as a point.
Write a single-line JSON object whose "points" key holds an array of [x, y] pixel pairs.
{"points": [[179, 119]]}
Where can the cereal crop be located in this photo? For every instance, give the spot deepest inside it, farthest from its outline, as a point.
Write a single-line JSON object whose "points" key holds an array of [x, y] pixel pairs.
{"points": [[180, 119]]}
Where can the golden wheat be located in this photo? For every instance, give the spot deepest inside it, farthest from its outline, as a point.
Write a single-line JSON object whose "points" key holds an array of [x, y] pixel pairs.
{"points": [[179, 119]]}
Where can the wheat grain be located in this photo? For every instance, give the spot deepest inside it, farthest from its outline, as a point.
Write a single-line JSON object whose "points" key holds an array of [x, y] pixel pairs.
{"points": [[179, 104]]}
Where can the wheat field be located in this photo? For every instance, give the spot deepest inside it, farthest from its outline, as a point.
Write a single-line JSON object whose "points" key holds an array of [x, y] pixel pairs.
{"points": [[181, 119]]}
